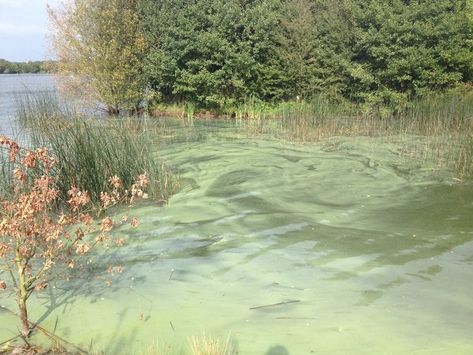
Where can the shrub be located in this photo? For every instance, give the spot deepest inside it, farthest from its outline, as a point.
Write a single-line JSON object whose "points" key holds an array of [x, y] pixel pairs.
{"points": [[36, 238]]}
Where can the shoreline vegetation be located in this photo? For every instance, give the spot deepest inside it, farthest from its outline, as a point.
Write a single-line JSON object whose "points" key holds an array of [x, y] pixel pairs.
{"points": [[436, 130], [90, 150], [29, 67], [441, 123], [211, 55], [320, 68], [196, 345]]}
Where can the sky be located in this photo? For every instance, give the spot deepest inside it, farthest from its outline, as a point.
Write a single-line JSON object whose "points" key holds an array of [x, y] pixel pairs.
{"points": [[23, 29]]}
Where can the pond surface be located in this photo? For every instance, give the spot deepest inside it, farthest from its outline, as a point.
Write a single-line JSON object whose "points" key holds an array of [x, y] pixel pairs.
{"points": [[327, 248], [13, 86]]}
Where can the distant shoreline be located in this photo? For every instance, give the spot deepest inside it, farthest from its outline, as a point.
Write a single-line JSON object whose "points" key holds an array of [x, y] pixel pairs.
{"points": [[31, 67]]}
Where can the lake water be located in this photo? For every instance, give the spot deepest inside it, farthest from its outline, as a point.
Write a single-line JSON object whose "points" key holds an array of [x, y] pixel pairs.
{"points": [[364, 255], [13, 86]]}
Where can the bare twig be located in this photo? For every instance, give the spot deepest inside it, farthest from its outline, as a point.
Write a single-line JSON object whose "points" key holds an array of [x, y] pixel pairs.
{"points": [[276, 304]]}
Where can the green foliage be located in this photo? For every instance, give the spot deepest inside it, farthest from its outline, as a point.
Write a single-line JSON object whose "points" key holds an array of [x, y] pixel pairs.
{"points": [[35, 67], [217, 54], [101, 48], [401, 49], [213, 53], [89, 151], [298, 49]]}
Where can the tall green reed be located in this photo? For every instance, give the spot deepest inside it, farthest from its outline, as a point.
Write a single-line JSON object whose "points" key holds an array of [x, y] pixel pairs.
{"points": [[438, 128], [6, 173], [91, 150], [435, 130]]}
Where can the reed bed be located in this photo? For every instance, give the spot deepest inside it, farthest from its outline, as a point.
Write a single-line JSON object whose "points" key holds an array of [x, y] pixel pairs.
{"points": [[32, 108], [436, 130], [91, 150], [197, 345]]}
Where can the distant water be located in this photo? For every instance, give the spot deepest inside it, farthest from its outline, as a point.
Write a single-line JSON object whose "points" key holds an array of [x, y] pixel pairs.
{"points": [[14, 85]]}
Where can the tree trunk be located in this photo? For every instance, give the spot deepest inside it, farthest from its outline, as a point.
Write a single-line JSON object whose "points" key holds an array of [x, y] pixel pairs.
{"points": [[25, 326], [22, 298]]}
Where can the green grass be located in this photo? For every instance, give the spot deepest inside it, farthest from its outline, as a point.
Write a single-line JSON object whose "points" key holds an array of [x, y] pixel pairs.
{"points": [[6, 174], [90, 150]]}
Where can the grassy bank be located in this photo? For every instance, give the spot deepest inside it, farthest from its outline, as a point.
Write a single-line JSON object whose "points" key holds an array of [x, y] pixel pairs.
{"points": [[435, 130], [426, 110]]}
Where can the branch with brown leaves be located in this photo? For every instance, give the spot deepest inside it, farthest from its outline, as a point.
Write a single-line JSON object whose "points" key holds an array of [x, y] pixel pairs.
{"points": [[38, 233]]}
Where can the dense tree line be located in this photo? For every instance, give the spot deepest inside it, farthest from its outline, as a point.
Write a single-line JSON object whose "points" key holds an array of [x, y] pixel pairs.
{"points": [[215, 53], [35, 67]]}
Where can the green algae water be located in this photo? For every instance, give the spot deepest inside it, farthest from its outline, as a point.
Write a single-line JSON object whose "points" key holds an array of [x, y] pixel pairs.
{"points": [[337, 247]]}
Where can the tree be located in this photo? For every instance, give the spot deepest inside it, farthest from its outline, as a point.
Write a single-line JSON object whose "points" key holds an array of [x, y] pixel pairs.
{"points": [[7, 67], [213, 53], [41, 236], [265, 76], [194, 54], [299, 48], [470, 40], [100, 48], [402, 49]]}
